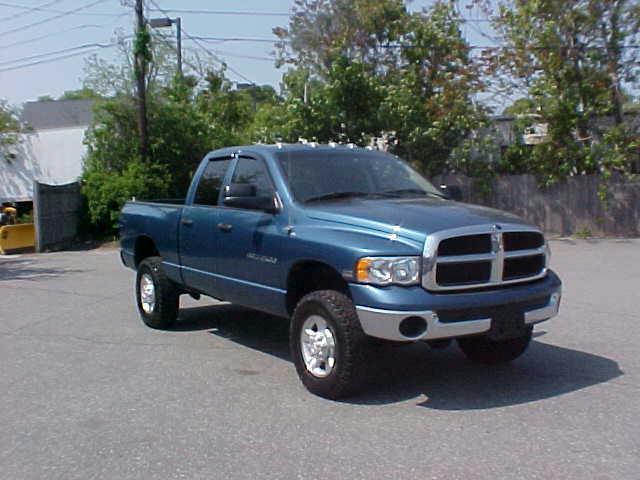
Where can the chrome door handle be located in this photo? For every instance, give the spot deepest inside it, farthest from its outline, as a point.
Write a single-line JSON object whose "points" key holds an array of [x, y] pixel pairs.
{"points": [[225, 227], [187, 221]]}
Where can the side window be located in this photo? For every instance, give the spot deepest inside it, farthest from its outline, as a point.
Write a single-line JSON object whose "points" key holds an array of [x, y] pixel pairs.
{"points": [[250, 170], [211, 182]]}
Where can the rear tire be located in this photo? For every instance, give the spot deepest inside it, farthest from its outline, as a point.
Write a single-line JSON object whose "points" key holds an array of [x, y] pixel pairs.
{"points": [[482, 349], [157, 297], [328, 346]]}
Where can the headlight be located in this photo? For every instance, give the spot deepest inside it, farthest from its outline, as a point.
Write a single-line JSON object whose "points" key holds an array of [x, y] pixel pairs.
{"points": [[388, 270]]}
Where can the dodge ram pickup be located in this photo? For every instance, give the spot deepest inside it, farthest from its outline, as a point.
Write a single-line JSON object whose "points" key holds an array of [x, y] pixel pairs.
{"points": [[354, 246]]}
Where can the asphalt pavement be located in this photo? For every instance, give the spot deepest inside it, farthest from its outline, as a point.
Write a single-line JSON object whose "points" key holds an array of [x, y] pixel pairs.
{"points": [[88, 392]]}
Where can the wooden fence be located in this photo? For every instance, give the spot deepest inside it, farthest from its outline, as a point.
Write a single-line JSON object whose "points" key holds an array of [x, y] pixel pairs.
{"points": [[567, 208], [56, 211]]}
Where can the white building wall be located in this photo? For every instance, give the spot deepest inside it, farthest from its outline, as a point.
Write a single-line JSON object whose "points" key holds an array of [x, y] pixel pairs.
{"points": [[53, 156]]}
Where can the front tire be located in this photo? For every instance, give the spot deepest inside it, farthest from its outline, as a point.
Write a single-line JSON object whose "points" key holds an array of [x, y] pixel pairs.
{"points": [[156, 296], [328, 346], [483, 349]]}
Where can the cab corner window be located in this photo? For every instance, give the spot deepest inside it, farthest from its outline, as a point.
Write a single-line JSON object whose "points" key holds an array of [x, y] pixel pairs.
{"points": [[210, 184]]}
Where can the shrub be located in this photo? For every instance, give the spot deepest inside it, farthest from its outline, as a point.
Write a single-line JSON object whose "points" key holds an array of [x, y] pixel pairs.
{"points": [[106, 191]]}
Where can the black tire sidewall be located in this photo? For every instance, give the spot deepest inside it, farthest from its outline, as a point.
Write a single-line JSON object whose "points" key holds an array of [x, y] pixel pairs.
{"points": [[165, 311], [349, 374], [302, 313]]}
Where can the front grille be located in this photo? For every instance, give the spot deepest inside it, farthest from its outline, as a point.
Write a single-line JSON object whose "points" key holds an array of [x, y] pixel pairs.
{"points": [[463, 273], [465, 245], [522, 240], [522, 267], [483, 256]]}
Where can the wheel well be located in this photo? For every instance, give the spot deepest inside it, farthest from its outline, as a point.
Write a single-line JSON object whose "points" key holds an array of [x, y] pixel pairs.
{"points": [[144, 248], [309, 276]]}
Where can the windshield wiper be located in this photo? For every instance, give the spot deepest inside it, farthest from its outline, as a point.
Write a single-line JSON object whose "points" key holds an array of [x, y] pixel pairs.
{"points": [[418, 191], [337, 195]]}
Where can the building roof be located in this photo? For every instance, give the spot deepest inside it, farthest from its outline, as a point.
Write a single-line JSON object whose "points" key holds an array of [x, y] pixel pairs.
{"points": [[58, 114]]}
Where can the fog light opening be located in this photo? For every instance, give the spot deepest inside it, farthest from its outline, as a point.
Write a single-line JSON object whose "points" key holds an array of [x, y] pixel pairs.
{"points": [[413, 327]]}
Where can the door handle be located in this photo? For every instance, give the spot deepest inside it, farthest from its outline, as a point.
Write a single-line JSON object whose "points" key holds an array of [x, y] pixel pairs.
{"points": [[187, 221], [225, 227]]}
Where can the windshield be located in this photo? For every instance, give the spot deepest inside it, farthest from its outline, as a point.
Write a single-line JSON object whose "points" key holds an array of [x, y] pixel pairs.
{"points": [[322, 175]]}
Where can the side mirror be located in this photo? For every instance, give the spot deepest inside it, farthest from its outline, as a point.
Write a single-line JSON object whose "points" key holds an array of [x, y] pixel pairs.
{"points": [[245, 196], [451, 192]]}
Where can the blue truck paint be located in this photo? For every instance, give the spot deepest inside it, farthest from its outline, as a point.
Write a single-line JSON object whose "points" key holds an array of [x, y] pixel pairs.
{"points": [[250, 264]]}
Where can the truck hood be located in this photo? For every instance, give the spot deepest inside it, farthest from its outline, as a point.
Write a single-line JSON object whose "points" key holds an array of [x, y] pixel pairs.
{"points": [[412, 218]]}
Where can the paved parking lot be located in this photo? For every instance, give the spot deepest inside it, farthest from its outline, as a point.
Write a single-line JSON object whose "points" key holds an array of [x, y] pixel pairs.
{"points": [[88, 392]]}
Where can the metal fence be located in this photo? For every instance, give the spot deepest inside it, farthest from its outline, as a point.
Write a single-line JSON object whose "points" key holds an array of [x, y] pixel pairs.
{"points": [[56, 213], [570, 207]]}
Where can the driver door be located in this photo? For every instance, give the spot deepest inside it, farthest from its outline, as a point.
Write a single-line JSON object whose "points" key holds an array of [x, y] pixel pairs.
{"points": [[247, 262]]}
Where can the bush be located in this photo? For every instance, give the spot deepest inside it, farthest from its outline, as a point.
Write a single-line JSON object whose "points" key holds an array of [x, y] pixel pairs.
{"points": [[106, 191]]}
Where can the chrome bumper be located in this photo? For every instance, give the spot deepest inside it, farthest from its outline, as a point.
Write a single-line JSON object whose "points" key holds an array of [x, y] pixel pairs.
{"points": [[386, 323]]}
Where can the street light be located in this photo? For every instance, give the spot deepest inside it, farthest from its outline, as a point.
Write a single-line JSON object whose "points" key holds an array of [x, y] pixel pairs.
{"points": [[167, 22]]}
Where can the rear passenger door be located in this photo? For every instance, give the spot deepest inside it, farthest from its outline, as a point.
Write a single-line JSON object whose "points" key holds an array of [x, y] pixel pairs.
{"points": [[198, 227]]}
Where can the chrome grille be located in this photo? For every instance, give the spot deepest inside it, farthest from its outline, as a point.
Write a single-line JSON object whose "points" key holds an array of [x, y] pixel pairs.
{"points": [[483, 256]]}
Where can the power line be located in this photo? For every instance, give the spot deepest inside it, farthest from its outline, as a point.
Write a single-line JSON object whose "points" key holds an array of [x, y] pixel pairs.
{"points": [[51, 10], [253, 13], [506, 47], [53, 34], [167, 42], [240, 55], [221, 12], [237, 39], [201, 45], [56, 59], [215, 57], [57, 52], [50, 19], [28, 10]]}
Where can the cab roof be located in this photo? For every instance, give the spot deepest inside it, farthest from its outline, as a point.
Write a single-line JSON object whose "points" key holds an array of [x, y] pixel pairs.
{"points": [[270, 149]]}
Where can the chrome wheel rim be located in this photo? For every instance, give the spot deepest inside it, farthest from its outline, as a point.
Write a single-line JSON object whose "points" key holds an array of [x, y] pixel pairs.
{"points": [[147, 293], [318, 345]]}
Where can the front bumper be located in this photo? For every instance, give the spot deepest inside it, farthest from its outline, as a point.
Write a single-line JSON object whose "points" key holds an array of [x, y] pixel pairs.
{"points": [[455, 315]]}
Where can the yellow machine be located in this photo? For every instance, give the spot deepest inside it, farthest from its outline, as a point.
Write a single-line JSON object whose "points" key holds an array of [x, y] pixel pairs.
{"points": [[14, 236]]}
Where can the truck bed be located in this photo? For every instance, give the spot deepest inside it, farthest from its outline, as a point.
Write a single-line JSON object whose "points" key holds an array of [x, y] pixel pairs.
{"points": [[155, 219]]}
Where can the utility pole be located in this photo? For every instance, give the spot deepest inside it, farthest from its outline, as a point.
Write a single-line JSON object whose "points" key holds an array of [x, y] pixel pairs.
{"points": [[140, 48], [178, 22], [167, 22]]}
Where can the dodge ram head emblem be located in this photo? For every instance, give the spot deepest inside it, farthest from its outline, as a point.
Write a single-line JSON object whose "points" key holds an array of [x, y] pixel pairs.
{"points": [[496, 228]]}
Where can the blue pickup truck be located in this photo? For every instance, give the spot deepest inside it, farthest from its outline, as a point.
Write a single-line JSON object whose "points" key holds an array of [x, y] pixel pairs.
{"points": [[354, 246]]}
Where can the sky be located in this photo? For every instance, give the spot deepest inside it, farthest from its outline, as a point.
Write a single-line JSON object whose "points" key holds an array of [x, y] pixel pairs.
{"points": [[75, 29]]}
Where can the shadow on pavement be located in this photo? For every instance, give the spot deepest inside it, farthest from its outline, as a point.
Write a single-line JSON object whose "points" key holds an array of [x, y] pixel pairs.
{"points": [[405, 371], [28, 269], [249, 328]]}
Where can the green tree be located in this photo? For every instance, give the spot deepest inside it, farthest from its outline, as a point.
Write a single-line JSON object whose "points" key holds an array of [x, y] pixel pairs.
{"points": [[84, 93], [187, 116], [365, 67], [573, 59], [10, 129]]}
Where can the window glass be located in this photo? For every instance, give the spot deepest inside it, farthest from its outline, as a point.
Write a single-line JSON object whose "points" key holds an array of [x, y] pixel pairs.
{"points": [[252, 171], [210, 184], [314, 174]]}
